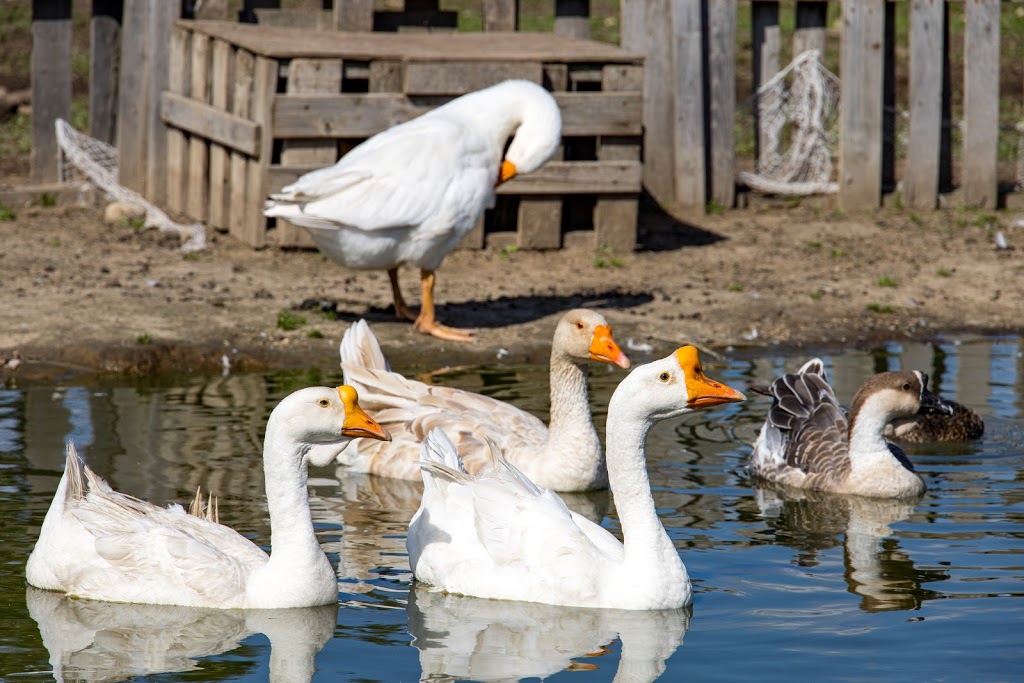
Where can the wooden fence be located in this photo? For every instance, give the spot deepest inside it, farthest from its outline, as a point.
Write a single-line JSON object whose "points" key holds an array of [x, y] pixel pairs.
{"points": [[692, 51]]}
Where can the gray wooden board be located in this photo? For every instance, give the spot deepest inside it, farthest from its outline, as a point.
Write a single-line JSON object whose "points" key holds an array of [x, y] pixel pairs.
{"points": [[220, 92], [860, 118], [688, 109], [198, 146], [241, 103], [981, 103], [500, 15], [353, 15], [178, 82], [158, 36], [921, 174], [539, 225], [257, 172], [363, 115], [131, 104], [722, 90], [457, 78], [615, 217], [811, 22], [767, 42], [104, 64], [51, 92]]}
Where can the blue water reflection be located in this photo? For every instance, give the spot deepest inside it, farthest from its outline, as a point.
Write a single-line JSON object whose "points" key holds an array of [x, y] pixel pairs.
{"points": [[823, 587]]}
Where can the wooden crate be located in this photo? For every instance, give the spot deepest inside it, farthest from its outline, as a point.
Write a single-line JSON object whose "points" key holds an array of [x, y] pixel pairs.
{"points": [[249, 109]]}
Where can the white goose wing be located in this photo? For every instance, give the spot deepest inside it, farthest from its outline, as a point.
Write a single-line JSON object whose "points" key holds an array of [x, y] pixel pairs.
{"points": [[410, 409], [402, 177], [144, 552]]}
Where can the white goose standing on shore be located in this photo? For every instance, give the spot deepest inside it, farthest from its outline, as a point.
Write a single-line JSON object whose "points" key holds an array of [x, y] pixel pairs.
{"points": [[99, 544], [807, 440], [565, 455], [498, 535], [409, 194]]}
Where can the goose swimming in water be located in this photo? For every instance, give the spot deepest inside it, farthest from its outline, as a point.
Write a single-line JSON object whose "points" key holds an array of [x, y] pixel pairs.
{"points": [[807, 440]]}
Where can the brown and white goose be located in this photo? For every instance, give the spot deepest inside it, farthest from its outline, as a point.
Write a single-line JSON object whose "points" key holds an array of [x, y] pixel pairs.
{"points": [[808, 441]]}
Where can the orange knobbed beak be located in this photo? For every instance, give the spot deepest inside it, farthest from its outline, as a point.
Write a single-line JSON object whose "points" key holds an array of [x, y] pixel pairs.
{"points": [[507, 172], [357, 423], [702, 391], [604, 349]]}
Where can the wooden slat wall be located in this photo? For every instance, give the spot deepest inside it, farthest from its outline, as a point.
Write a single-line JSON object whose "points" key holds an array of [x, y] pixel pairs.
{"points": [[198, 145], [981, 103], [258, 171], [860, 120], [722, 92], [178, 82], [921, 177], [615, 215], [238, 165], [220, 99], [161, 23], [51, 82]]}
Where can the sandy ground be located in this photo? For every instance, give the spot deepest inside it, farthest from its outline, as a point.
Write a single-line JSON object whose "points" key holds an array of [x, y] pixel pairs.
{"points": [[80, 294]]}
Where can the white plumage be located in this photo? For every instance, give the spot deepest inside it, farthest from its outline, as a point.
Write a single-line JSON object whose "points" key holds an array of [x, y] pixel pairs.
{"points": [[100, 544], [567, 456], [497, 535], [408, 195]]}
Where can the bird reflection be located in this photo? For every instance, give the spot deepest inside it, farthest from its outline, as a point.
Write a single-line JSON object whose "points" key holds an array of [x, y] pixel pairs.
{"points": [[375, 513], [104, 641], [496, 640], [877, 569]]}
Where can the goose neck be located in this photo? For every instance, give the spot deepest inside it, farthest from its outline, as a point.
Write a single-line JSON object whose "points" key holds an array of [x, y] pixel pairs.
{"points": [[291, 523], [570, 404]]}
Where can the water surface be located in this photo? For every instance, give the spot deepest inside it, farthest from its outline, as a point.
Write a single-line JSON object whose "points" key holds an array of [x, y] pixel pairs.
{"points": [[816, 587]]}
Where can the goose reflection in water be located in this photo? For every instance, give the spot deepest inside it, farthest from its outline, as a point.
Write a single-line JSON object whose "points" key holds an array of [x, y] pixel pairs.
{"points": [[104, 641], [876, 568], [374, 513], [499, 640]]}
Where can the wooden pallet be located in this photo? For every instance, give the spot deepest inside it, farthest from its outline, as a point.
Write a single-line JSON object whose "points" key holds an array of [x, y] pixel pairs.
{"points": [[249, 109]]}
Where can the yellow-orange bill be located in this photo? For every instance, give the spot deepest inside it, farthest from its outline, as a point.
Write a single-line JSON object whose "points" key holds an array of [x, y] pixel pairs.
{"points": [[701, 390], [604, 349], [357, 423], [507, 171]]}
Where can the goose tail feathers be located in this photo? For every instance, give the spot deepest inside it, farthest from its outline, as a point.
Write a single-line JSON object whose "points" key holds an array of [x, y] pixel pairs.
{"points": [[359, 348]]}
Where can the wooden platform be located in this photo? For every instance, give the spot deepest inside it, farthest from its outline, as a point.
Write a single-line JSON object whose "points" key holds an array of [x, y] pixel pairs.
{"points": [[251, 108]]}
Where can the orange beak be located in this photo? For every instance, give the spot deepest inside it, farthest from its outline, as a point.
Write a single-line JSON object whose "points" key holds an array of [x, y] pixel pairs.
{"points": [[357, 423], [604, 349], [507, 172], [702, 391]]}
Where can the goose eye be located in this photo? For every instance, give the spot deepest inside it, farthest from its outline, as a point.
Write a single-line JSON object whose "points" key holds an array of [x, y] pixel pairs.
{"points": [[579, 326], [906, 386], [323, 403], [664, 376]]}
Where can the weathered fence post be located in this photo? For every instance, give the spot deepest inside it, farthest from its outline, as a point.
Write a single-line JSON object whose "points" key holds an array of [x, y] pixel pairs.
{"points": [[811, 22], [721, 88], [501, 15], [981, 103], [766, 42], [353, 15], [572, 18], [51, 81], [921, 176], [104, 66], [860, 118]]}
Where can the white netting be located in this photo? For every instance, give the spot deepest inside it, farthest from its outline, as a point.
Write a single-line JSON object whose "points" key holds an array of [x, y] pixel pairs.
{"points": [[798, 112], [97, 162]]}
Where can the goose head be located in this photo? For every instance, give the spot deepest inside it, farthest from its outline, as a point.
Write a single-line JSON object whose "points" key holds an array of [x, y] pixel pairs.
{"points": [[582, 335], [323, 420], [536, 120], [889, 396], [672, 386]]}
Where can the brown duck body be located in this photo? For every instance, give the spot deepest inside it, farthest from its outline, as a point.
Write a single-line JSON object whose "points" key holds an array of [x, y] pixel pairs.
{"points": [[963, 425]]}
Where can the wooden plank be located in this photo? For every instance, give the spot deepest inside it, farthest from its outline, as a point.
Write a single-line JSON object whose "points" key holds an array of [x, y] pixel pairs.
{"points": [[353, 15], [554, 177], [458, 78], [688, 155], [921, 175], [131, 119], [811, 22], [220, 99], [860, 117], [258, 170], [500, 15], [981, 103], [387, 75], [197, 204], [519, 46], [360, 116], [179, 80], [767, 42], [615, 216], [722, 89], [241, 106], [572, 18], [51, 82], [158, 39], [309, 76], [539, 225], [104, 63], [889, 99]]}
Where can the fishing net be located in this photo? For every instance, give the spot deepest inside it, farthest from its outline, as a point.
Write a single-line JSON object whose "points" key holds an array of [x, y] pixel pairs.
{"points": [[798, 115], [86, 159]]}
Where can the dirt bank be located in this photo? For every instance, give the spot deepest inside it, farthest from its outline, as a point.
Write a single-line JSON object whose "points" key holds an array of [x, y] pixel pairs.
{"points": [[78, 293]]}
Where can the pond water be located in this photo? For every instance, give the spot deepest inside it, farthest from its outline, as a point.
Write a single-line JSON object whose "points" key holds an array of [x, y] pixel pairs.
{"points": [[817, 588]]}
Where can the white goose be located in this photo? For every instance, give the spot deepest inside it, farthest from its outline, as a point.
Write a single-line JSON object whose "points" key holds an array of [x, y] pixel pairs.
{"points": [[807, 441], [408, 195], [100, 544], [567, 456], [498, 535]]}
